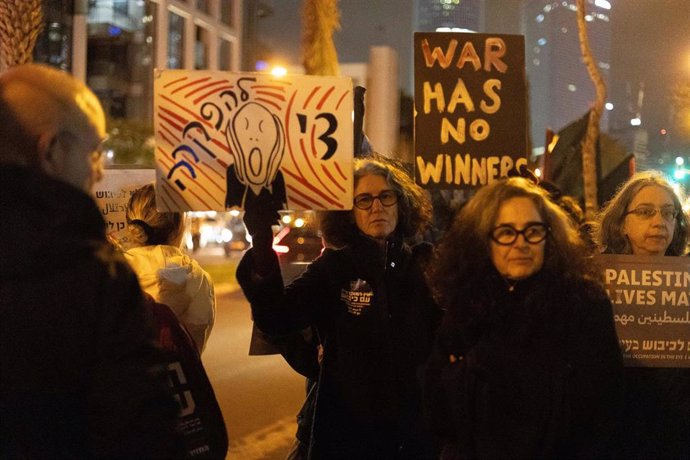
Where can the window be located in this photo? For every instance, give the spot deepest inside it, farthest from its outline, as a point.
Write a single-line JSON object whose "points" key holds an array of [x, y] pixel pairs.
{"points": [[225, 58], [201, 47], [175, 41], [227, 11], [202, 5]]}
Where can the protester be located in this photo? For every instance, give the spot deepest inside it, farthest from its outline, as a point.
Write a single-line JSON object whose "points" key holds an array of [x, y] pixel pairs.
{"points": [[645, 218], [371, 310], [165, 272], [526, 363], [81, 377]]}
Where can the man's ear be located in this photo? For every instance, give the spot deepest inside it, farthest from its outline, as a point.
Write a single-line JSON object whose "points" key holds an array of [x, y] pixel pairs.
{"points": [[47, 149]]}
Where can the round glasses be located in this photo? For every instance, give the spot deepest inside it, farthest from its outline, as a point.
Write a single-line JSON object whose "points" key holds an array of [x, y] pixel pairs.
{"points": [[366, 200], [507, 234], [668, 213]]}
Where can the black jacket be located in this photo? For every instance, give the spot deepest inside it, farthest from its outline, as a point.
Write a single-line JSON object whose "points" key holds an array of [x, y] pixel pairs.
{"points": [[80, 376], [376, 319], [536, 372]]}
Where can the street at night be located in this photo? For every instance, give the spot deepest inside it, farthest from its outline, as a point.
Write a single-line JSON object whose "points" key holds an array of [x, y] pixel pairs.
{"points": [[259, 395]]}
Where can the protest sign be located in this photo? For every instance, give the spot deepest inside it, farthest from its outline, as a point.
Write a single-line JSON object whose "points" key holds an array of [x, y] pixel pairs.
{"points": [[224, 140], [112, 194], [651, 308], [470, 108]]}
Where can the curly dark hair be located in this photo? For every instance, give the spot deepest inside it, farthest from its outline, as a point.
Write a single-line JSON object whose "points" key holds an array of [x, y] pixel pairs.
{"points": [[608, 231], [414, 206], [463, 258]]}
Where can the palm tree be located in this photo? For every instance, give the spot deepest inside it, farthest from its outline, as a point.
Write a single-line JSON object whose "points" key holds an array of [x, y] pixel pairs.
{"points": [[320, 18], [589, 165], [20, 23]]}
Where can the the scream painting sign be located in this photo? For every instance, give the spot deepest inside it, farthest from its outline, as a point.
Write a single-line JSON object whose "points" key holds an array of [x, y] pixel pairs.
{"points": [[224, 139]]}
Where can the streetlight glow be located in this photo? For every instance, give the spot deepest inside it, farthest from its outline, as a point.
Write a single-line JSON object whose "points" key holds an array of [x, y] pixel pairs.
{"points": [[278, 71]]}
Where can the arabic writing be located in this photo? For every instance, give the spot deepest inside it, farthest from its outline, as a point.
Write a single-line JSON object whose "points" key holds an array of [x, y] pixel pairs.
{"points": [[654, 319]]}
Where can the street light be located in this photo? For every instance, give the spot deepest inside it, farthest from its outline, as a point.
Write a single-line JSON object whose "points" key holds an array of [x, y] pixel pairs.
{"points": [[278, 71]]}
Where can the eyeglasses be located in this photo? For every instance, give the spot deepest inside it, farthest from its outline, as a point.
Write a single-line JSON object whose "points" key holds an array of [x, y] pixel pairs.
{"points": [[507, 234], [668, 213], [366, 201]]}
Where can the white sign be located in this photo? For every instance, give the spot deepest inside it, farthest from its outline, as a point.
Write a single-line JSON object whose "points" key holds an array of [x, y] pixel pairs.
{"points": [[224, 139]]}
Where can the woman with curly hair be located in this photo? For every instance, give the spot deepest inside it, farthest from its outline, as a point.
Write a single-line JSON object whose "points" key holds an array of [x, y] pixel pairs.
{"points": [[370, 306], [526, 363], [645, 218]]}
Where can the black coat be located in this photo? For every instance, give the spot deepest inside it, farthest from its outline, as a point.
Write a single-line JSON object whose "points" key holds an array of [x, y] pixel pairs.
{"points": [[80, 376], [536, 372], [376, 319]]}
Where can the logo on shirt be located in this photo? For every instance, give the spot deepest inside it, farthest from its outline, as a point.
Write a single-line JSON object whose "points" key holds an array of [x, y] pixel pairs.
{"points": [[358, 297]]}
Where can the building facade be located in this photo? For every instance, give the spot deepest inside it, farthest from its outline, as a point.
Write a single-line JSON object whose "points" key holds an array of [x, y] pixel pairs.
{"points": [[448, 15], [115, 45]]}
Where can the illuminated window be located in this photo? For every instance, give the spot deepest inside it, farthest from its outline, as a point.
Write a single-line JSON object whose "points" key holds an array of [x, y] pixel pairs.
{"points": [[201, 47], [175, 41]]}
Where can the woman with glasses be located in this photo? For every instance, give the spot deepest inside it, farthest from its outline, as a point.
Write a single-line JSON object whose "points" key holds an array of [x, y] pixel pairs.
{"points": [[526, 362], [372, 311], [645, 218]]}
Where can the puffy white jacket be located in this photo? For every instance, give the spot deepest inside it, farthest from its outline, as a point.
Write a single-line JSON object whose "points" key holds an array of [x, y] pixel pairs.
{"points": [[173, 278]]}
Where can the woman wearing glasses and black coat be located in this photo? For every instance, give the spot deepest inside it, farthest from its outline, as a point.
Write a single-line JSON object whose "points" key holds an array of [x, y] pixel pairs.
{"points": [[645, 218], [371, 308], [526, 363]]}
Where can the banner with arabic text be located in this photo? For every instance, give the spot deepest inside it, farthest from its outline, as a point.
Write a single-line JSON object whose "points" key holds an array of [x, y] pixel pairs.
{"points": [[112, 195], [651, 308]]}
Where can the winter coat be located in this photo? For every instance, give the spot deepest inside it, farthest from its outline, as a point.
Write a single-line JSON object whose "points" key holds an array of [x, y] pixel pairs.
{"points": [[80, 376], [174, 279], [376, 319], [534, 372]]}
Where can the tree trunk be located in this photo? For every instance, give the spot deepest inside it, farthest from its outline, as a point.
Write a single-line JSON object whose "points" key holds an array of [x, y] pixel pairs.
{"points": [[589, 165], [320, 18], [20, 23]]}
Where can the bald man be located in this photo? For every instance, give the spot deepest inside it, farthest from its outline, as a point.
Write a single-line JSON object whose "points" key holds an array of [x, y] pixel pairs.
{"points": [[79, 376]]}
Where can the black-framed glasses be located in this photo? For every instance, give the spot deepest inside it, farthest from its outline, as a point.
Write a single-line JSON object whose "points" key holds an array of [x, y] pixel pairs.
{"points": [[507, 234], [366, 200], [668, 213]]}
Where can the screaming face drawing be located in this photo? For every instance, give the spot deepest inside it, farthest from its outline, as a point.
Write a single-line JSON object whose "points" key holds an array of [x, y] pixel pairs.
{"points": [[257, 142]]}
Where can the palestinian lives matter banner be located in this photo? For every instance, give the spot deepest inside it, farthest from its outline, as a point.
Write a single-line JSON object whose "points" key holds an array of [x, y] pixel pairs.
{"points": [[230, 140], [651, 308], [470, 108]]}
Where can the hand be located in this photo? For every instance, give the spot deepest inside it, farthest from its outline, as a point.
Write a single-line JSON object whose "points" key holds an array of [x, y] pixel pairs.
{"points": [[261, 214]]}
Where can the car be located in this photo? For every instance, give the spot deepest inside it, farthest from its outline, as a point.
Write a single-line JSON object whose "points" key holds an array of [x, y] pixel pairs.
{"points": [[239, 239]]}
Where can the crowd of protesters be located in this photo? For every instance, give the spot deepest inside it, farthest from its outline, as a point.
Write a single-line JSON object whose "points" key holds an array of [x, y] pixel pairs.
{"points": [[499, 342]]}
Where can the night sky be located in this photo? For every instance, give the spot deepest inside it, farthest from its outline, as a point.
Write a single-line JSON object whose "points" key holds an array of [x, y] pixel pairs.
{"points": [[650, 44]]}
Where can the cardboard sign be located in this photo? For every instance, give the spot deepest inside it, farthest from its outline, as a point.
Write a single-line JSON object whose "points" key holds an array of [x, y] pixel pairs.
{"points": [[470, 108], [651, 308], [224, 139], [112, 194]]}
